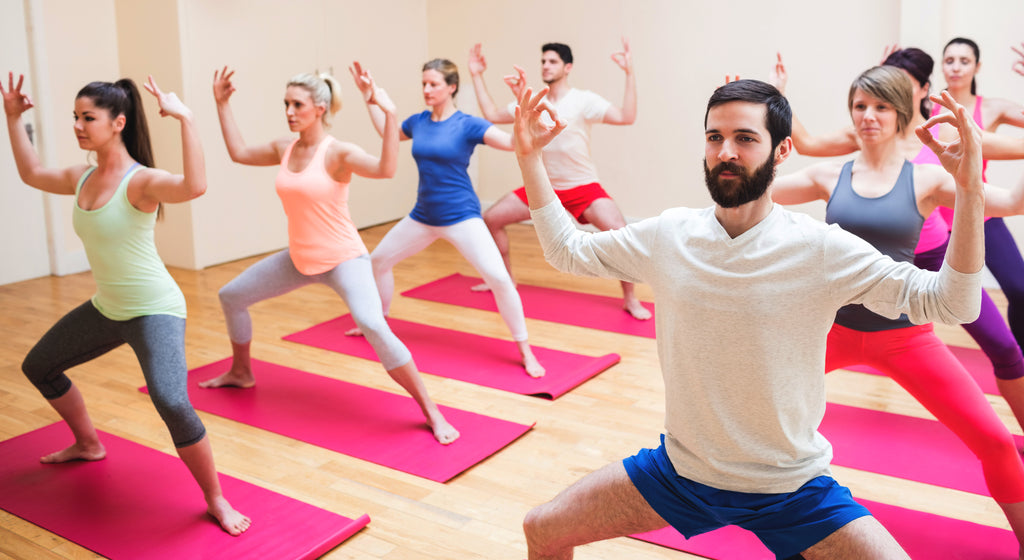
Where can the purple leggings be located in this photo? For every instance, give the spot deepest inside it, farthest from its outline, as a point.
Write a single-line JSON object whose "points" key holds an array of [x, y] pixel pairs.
{"points": [[990, 330]]}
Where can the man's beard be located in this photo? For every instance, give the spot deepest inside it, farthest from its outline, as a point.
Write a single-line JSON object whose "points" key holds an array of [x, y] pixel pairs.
{"points": [[745, 188]]}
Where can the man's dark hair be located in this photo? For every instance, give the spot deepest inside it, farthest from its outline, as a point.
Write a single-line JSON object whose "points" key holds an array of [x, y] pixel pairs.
{"points": [[563, 51], [778, 115]]}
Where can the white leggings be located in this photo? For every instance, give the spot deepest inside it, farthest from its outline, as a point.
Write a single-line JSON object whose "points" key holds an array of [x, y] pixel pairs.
{"points": [[472, 239], [352, 280]]}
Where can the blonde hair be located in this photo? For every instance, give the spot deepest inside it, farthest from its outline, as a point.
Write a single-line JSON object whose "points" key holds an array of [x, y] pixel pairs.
{"points": [[888, 84], [447, 69], [324, 89]]}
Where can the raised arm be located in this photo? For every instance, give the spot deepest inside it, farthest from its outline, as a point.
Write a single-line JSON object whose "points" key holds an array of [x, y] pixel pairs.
{"points": [[263, 154], [838, 143], [962, 159], [530, 136], [378, 102], [490, 111], [31, 171], [1007, 111], [158, 185], [626, 114], [807, 185], [374, 96]]}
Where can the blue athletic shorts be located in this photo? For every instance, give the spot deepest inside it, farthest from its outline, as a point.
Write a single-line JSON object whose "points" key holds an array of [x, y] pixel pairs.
{"points": [[787, 524]]}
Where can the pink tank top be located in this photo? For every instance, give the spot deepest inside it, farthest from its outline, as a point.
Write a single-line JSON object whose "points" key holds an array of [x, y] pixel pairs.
{"points": [[947, 213], [321, 234], [935, 230]]}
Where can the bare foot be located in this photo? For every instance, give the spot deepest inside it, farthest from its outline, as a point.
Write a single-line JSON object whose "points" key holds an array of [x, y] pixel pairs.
{"points": [[354, 331], [444, 432], [76, 452], [532, 365], [232, 378], [229, 518], [481, 287], [636, 309]]}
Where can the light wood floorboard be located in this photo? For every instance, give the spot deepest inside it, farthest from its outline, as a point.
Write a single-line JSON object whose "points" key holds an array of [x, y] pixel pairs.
{"points": [[477, 515]]}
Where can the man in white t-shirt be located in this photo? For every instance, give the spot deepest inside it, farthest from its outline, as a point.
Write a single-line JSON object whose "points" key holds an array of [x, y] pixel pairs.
{"points": [[567, 159], [746, 294]]}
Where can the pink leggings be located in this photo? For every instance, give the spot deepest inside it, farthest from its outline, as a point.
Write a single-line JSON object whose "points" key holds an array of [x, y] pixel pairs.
{"points": [[916, 359]]}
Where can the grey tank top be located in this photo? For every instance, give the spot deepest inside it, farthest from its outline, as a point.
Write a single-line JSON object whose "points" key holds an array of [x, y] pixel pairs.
{"points": [[891, 223]]}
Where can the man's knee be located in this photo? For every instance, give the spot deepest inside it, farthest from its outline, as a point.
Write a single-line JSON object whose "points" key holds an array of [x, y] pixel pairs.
{"points": [[539, 537]]}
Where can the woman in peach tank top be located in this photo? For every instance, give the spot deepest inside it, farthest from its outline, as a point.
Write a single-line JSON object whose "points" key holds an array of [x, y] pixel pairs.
{"points": [[323, 244]]}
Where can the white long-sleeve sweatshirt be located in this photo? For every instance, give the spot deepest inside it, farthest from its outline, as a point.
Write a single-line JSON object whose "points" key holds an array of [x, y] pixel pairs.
{"points": [[742, 326]]}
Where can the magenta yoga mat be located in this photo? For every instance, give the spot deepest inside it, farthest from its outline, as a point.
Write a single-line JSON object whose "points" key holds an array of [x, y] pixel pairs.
{"points": [[142, 503], [922, 535], [974, 361], [377, 426], [467, 357], [547, 304], [902, 446]]}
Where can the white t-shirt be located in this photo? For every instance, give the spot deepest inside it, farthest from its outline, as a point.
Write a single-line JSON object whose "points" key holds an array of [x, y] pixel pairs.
{"points": [[567, 157], [742, 325]]}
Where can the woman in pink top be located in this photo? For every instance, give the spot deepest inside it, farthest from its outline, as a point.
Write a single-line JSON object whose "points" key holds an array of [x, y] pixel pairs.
{"points": [[323, 244]]}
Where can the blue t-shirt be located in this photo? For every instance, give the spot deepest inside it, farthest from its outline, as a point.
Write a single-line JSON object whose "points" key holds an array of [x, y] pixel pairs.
{"points": [[442, 149]]}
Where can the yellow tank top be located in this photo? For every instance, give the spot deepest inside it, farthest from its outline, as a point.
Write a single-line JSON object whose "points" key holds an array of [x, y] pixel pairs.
{"points": [[131, 280]]}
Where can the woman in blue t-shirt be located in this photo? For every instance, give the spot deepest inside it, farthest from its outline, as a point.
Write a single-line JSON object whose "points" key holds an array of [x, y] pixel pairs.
{"points": [[446, 204]]}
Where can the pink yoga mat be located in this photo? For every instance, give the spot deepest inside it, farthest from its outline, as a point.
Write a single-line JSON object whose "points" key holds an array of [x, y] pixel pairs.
{"points": [[369, 424], [922, 535], [975, 362], [902, 446], [467, 357], [142, 503], [547, 304]]}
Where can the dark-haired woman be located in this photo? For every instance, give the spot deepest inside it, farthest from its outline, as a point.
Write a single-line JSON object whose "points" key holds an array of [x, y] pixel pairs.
{"points": [[136, 302], [446, 204], [961, 61], [990, 331], [324, 246]]}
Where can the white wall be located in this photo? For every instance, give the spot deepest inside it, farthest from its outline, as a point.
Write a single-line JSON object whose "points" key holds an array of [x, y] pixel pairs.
{"points": [[22, 216], [682, 49]]}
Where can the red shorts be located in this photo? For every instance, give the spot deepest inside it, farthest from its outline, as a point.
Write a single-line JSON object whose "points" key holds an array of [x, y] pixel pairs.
{"points": [[576, 200]]}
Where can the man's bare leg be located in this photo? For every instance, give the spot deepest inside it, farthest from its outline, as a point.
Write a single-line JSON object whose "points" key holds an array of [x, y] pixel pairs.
{"points": [[199, 460], [409, 378], [605, 215], [863, 538], [508, 210], [240, 373], [602, 505], [87, 446]]}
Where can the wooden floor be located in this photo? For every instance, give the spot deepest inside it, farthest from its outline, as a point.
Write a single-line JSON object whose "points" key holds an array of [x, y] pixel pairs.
{"points": [[478, 514]]}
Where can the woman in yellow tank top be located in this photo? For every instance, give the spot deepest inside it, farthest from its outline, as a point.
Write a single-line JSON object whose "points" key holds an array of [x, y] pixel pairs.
{"points": [[137, 301]]}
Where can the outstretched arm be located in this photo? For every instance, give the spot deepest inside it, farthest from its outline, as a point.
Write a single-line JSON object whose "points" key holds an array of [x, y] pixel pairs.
{"points": [[31, 171], [264, 154], [962, 159], [490, 111], [838, 143], [627, 113], [161, 186], [381, 107]]}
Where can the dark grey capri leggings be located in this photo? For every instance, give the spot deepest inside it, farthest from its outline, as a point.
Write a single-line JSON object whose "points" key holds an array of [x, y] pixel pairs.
{"points": [[158, 342]]}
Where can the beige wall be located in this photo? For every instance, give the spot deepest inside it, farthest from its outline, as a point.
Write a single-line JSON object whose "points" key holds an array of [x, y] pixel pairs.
{"points": [[22, 210], [682, 51], [681, 55]]}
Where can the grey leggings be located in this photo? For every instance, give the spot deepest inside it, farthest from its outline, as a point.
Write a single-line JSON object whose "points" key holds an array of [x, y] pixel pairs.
{"points": [[158, 342], [352, 280]]}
